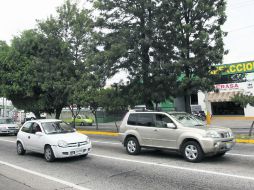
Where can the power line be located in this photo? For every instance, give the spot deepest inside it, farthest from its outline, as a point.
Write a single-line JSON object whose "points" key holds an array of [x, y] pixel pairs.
{"points": [[241, 5], [242, 28]]}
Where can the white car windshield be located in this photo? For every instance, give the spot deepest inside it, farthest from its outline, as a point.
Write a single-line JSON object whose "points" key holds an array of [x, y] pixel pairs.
{"points": [[187, 119], [6, 121], [57, 127]]}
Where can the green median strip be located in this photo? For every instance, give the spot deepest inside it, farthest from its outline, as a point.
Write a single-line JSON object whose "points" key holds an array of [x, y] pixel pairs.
{"points": [[98, 133]]}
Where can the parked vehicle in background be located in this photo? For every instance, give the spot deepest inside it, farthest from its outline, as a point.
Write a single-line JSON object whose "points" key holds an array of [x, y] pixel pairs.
{"points": [[199, 115], [53, 138], [81, 120], [177, 131], [31, 116], [8, 126]]}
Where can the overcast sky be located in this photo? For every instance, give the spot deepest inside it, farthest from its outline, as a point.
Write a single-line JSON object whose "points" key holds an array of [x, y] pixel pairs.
{"points": [[19, 15]]}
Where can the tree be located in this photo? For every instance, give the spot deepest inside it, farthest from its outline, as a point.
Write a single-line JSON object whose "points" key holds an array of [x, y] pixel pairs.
{"points": [[243, 99], [35, 73], [168, 47], [134, 41], [196, 27], [74, 26], [4, 50]]}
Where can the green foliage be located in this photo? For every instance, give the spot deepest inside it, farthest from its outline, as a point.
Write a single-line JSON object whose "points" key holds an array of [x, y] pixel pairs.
{"points": [[35, 73], [243, 100], [196, 26], [75, 27], [134, 42], [158, 42], [48, 68]]}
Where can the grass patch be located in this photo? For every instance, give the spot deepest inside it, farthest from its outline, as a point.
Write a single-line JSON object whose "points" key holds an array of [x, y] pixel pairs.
{"points": [[241, 136]]}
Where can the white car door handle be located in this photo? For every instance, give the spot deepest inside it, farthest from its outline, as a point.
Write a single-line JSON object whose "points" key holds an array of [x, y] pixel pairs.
{"points": [[155, 130], [28, 137]]}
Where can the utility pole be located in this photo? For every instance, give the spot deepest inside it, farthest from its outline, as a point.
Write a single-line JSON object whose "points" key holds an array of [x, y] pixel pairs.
{"points": [[208, 113]]}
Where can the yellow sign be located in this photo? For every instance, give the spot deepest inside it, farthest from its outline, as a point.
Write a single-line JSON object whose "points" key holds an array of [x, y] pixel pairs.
{"points": [[227, 69]]}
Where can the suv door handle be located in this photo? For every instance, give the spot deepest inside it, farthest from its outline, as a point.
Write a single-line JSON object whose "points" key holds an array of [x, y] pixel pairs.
{"points": [[155, 130], [28, 137]]}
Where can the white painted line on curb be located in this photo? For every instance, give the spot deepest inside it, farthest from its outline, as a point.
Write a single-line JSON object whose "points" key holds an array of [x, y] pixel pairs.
{"points": [[69, 184], [176, 167], [106, 142]]}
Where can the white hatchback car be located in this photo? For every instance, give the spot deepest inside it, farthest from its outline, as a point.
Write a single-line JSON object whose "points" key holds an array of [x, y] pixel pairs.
{"points": [[8, 126], [53, 138]]}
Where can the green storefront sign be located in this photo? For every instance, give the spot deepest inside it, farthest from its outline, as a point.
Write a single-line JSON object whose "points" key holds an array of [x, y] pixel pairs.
{"points": [[235, 68]]}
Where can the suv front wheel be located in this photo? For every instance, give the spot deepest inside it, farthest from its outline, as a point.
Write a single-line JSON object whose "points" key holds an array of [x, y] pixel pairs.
{"points": [[192, 151], [132, 146]]}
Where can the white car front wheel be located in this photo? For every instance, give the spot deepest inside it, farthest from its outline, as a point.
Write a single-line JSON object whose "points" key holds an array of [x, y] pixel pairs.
{"points": [[20, 149], [49, 154]]}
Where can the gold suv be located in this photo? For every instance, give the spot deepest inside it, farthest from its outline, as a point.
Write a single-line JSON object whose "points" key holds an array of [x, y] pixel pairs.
{"points": [[178, 131]]}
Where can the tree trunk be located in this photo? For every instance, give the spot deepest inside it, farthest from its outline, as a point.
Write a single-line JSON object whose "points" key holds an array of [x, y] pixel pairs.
{"points": [[58, 112], [187, 103], [37, 114], [96, 121]]}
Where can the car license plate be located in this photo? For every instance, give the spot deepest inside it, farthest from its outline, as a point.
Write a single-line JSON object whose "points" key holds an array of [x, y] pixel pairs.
{"points": [[79, 151]]}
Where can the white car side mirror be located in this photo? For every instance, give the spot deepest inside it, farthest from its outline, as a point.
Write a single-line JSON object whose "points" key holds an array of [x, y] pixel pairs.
{"points": [[171, 125]]}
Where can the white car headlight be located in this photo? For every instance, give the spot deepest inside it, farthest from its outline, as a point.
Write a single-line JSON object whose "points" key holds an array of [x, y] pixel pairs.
{"points": [[212, 134], [62, 144], [88, 140]]}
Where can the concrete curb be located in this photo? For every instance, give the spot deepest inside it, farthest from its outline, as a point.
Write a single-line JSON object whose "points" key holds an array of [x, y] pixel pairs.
{"points": [[98, 133], [247, 141]]}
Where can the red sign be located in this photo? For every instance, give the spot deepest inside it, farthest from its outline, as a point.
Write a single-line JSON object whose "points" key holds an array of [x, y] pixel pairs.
{"points": [[227, 86]]}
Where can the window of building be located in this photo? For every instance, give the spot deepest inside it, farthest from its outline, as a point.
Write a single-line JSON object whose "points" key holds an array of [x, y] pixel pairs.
{"points": [[194, 99]]}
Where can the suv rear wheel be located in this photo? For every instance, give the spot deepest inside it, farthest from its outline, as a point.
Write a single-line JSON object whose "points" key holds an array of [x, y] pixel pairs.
{"points": [[132, 146], [192, 151]]}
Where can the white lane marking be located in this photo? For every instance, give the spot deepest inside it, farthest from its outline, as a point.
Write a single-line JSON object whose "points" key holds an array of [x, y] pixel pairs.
{"points": [[69, 184], [7, 140], [176, 167], [243, 155], [134, 161]]}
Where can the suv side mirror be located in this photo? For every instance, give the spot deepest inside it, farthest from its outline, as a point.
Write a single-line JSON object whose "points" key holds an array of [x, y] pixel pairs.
{"points": [[171, 125]]}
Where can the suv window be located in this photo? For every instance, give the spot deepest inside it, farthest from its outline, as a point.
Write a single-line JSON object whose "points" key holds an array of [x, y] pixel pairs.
{"points": [[161, 120], [133, 119], [146, 119], [27, 127]]}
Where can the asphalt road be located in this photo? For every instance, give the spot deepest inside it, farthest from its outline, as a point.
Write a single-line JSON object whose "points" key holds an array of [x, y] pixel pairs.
{"points": [[110, 167]]}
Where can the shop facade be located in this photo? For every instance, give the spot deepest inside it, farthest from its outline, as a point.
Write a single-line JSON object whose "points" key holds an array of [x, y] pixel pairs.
{"points": [[219, 101]]}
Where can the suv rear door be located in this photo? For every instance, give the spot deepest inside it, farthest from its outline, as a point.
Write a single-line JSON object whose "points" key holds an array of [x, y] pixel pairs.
{"points": [[143, 124]]}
